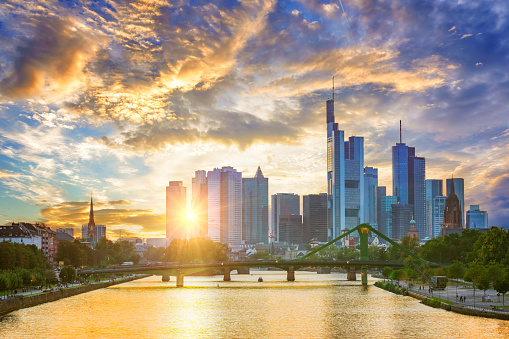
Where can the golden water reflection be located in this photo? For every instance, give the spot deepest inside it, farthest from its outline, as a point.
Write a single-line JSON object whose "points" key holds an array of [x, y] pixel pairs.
{"points": [[314, 306]]}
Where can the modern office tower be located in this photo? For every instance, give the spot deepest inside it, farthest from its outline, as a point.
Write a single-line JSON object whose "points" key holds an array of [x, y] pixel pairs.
{"points": [[225, 206], [176, 210], [283, 204], [370, 201], [438, 215], [314, 213], [475, 218], [199, 204], [381, 191], [408, 179], [255, 209], [459, 189], [385, 219], [100, 231], [434, 188], [290, 229], [401, 216], [452, 214], [345, 184]]}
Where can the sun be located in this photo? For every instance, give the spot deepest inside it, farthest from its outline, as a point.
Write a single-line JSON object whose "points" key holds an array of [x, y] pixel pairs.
{"points": [[190, 216]]}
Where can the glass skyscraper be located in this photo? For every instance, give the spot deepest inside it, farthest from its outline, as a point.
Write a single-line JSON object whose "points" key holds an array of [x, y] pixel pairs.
{"points": [[255, 209], [370, 204], [476, 218], [434, 188], [283, 204], [345, 178]]}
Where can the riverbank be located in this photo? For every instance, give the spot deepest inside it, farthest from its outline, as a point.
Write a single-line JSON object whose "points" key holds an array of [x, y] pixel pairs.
{"points": [[444, 304], [23, 301]]}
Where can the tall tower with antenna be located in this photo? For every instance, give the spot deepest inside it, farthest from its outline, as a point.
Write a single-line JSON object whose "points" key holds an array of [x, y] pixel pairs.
{"points": [[345, 177]]}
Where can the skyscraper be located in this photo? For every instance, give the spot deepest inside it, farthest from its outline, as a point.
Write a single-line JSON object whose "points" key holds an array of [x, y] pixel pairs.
{"points": [[438, 215], [434, 188], [408, 179], [225, 206], [459, 189], [176, 210], [381, 191], [283, 204], [385, 220], [370, 204], [255, 209], [314, 213], [345, 177], [401, 216], [290, 229], [476, 218], [199, 204]]}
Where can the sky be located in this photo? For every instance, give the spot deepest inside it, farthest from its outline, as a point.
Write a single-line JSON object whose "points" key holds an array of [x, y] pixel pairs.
{"points": [[116, 98]]}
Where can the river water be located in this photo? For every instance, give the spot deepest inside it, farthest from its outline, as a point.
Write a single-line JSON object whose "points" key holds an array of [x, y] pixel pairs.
{"points": [[314, 306]]}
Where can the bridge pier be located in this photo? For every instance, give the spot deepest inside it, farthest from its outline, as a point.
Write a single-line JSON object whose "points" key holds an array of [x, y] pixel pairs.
{"points": [[364, 275], [290, 274], [226, 276], [166, 278], [180, 280], [351, 274]]}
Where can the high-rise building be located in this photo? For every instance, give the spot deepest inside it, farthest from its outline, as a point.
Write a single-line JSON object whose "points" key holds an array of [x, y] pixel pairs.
{"points": [[199, 204], [452, 214], [434, 188], [224, 187], [476, 218], [290, 229], [401, 217], [176, 211], [100, 231], [385, 221], [370, 200], [283, 204], [438, 215], [408, 179], [381, 191], [459, 189], [255, 209], [314, 213], [345, 177]]}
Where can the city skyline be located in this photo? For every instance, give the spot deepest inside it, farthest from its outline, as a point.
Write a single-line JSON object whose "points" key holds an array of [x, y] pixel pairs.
{"points": [[117, 100]]}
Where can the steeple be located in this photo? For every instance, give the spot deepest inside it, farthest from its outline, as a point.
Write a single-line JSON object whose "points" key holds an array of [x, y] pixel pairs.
{"points": [[452, 187], [91, 223], [91, 217]]}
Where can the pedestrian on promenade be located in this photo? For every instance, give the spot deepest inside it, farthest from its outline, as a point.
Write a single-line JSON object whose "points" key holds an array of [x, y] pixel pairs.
{"points": [[456, 297]]}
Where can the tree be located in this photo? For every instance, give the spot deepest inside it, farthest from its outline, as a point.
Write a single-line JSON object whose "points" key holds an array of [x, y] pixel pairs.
{"points": [[474, 273], [399, 275], [456, 270], [387, 271], [411, 244], [154, 253], [260, 255], [491, 246], [67, 274], [501, 284]]}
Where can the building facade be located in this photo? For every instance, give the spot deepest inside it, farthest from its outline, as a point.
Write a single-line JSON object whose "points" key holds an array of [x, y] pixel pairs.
{"points": [[283, 204], [434, 188], [176, 211], [314, 215], [199, 204], [255, 209], [476, 219], [224, 187], [370, 200], [452, 213], [459, 190], [438, 215], [290, 228], [385, 221]]}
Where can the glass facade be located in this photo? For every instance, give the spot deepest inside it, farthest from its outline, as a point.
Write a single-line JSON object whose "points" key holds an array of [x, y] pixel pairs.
{"points": [[283, 204], [255, 209], [386, 208], [434, 188], [438, 215], [475, 217], [400, 172], [459, 189]]}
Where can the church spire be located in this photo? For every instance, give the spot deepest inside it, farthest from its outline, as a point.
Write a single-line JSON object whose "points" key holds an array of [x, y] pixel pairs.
{"points": [[91, 217], [91, 223]]}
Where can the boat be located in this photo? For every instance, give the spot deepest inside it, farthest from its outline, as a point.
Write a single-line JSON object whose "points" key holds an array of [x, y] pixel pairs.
{"points": [[260, 279]]}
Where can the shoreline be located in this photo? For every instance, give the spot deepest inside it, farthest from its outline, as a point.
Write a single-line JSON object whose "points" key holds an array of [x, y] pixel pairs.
{"points": [[10, 305], [465, 310]]}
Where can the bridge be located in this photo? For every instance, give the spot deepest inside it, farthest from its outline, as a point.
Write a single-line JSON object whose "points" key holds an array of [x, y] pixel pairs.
{"points": [[179, 270]]}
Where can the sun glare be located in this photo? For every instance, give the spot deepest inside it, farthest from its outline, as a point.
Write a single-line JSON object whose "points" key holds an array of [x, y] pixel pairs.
{"points": [[190, 216]]}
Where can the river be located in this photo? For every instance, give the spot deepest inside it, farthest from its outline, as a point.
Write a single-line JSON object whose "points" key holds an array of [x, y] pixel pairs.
{"points": [[314, 306]]}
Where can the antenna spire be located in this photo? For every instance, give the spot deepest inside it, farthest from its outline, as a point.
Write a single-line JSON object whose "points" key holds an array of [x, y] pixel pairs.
{"points": [[333, 88], [400, 132]]}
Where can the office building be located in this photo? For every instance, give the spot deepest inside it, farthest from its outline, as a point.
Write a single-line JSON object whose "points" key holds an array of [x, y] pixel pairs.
{"points": [[434, 188], [199, 204], [459, 190], [438, 215], [401, 217], [476, 219], [290, 229], [255, 209], [370, 200], [408, 179], [314, 213], [176, 211], [385, 221], [345, 177], [224, 186], [283, 204], [381, 191]]}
